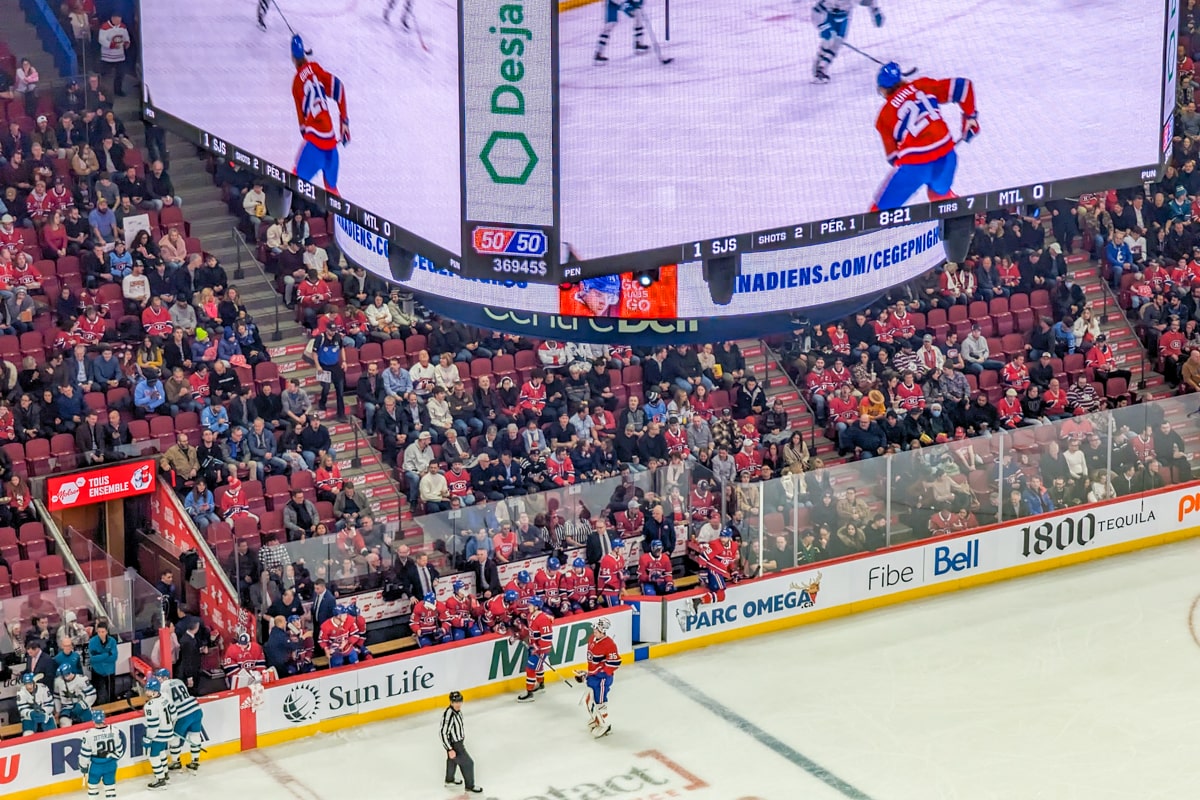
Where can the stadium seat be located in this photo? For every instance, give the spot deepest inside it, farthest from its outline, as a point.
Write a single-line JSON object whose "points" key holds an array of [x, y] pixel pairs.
{"points": [[62, 450], [10, 548], [25, 577], [414, 344], [37, 455], [52, 571], [302, 479]]}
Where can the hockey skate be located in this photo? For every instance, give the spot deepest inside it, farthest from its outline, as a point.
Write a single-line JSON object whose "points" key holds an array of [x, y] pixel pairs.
{"points": [[161, 783], [696, 603], [640, 47], [174, 765], [194, 766], [820, 76], [600, 58], [526, 696], [601, 729]]}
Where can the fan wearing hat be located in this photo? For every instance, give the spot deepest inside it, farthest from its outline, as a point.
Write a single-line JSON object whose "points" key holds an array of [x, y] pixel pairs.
{"points": [[1009, 408]]}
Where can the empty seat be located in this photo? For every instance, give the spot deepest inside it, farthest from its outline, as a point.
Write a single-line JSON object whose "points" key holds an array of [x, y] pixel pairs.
{"points": [[52, 571], [25, 577]]}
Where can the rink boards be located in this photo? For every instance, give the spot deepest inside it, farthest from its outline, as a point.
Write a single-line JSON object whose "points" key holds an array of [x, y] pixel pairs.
{"points": [[419, 681]]}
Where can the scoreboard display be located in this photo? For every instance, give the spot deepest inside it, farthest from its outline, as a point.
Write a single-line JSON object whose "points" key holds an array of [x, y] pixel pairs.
{"points": [[550, 141]]}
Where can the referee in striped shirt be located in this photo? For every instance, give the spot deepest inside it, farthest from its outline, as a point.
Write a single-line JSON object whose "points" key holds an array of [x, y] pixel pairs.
{"points": [[457, 757]]}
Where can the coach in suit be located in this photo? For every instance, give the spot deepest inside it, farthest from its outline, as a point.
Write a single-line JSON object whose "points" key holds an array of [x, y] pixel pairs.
{"points": [[323, 603]]}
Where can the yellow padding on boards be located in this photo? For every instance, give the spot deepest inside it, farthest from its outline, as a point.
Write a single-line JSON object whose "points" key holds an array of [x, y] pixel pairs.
{"points": [[567, 5], [659, 650]]}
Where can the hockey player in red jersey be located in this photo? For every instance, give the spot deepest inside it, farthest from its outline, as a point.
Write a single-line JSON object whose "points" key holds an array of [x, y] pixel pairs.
{"points": [[425, 622], [243, 662], [313, 89], [916, 139], [549, 587], [603, 661], [654, 571], [337, 637], [359, 640], [460, 613], [498, 612], [525, 588], [540, 640], [611, 577], [580, 586], [718, 558]]}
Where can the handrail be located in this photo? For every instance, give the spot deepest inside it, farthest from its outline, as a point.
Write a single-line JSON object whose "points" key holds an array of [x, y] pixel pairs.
{"points": [[239, 274], [1107, 291], [360, 435], [812, 413]]}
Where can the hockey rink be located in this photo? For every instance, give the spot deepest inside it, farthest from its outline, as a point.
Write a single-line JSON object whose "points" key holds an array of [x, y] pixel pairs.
{"points": [[212, 67], [1078, 683], [733, 137]]}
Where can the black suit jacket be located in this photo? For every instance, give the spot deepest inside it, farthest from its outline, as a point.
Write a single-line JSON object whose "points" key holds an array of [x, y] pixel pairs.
{"points": [[364, 390], [413, 576], [45, 667], [88, 440], [322, 609], [487, 577]]}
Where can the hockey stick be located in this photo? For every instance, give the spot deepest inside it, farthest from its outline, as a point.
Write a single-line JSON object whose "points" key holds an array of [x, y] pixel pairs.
{"points": [[289, 25], [417, 28], [641, 16], [906, 73]]}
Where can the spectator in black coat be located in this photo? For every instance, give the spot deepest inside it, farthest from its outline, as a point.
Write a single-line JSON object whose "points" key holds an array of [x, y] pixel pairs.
{"points": [[866, 438], [322, 605], [487, 577], [39, 662], [188, 668], [659, 526]]}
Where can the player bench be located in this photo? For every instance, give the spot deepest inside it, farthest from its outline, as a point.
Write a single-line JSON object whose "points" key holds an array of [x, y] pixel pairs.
{"points": [[110, 709], [377, 649]]}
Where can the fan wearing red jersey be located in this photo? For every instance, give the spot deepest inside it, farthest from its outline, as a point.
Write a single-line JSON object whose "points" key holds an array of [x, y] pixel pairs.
{"points": [[916, 139], [313, 89], [603, 661], [718, 559]]}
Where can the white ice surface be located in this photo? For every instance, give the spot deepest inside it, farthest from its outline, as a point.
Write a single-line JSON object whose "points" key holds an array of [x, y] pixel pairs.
{"points": [[211, 66], [1076, 684], [732, 137]]}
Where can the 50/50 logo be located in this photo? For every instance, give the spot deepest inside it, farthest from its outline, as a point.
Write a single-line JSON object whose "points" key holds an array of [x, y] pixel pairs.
{"points": [[1060, 535]]}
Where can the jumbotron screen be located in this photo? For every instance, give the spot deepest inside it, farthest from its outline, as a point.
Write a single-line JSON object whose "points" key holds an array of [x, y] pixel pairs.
{"points": [[698, 129], [360, 113]]}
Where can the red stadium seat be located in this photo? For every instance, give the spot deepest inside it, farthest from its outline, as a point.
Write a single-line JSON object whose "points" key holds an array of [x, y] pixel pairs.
{"points": [[52, 571], [414, 344], [10, 549], [25, 577]]}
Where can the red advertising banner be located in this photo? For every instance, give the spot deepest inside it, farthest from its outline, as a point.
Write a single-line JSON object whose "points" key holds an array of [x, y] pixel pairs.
{"points": [[110, 482], [218, 607]]}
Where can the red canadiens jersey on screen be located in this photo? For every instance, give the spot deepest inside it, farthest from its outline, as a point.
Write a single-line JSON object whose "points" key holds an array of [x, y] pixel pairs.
{"points": [[911, 124], [313, 89]]}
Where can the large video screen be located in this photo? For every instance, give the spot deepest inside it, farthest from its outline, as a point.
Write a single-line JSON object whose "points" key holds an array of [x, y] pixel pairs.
{"points": [[707, 127], [361, 114]]}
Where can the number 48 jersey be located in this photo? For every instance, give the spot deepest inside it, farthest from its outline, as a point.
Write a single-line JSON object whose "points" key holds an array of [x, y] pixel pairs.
{"points": [[911, 123]]}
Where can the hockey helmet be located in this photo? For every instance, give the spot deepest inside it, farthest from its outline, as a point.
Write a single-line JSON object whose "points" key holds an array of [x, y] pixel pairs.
{"points": [[98, 717], [618, 544], [889, 75], [243, 638], [65, 669], [459, 587], [534, 602], [523, 576], [338, 610], [430, 599], [726, 533], [298, 49], [153, 685], [27, 678], [656, 546], [579, 563], [162, 673], [553, 563], [601, 626], [456, 697], [511, 596]]}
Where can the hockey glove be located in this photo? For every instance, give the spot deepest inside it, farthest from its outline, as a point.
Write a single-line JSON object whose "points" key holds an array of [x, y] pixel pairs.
{"points": [[970, 127], [345, 131], [580, 675]]}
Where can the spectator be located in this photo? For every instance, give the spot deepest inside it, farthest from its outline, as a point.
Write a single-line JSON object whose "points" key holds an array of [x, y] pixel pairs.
{"points": [[102, 658]]}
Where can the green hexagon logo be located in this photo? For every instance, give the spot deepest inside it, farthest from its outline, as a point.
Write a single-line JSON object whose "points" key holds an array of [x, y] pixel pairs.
{"points": [[509, 149]]}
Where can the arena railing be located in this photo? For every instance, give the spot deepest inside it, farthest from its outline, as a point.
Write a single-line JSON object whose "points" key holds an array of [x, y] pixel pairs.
{"points": [[244, 254]]}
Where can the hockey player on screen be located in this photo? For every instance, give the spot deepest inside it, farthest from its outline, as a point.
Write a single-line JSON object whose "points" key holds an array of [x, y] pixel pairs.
{"points": [[916, 139], [832, 18], [603, 661], [612, 12], [541, 638], [314, 89], [718, 558]]}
